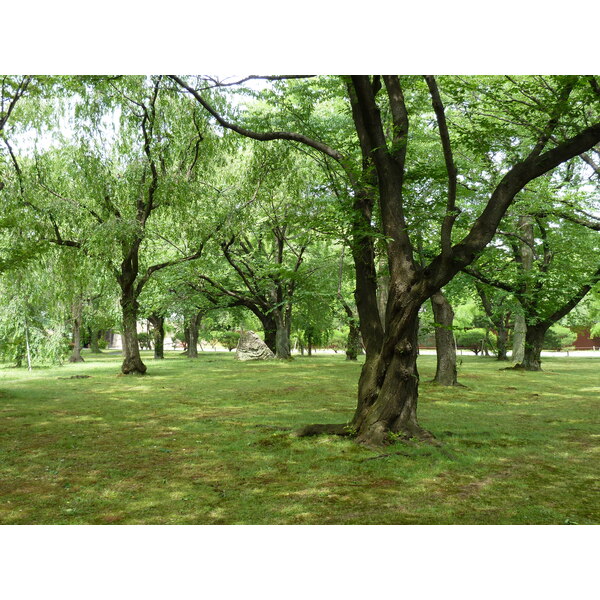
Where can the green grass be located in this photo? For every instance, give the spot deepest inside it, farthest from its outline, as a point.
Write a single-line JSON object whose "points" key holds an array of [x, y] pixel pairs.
{"points": [[196, 442]]}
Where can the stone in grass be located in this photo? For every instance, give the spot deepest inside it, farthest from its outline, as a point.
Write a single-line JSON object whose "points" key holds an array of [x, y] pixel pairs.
{"points": [[251, 347]]}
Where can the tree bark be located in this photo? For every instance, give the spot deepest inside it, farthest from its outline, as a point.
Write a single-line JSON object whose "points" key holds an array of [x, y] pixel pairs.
{"points": [[132, 361], [193, 332], [77, 322], [282, 336], [383, 289], [389, 388], [443, 317], [158, 323], [525, 228], [518, 351], [502, 337], [270, 330], [534, 340]]}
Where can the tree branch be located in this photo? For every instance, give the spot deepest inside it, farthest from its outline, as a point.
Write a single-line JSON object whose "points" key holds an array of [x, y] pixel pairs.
{"points": [[274, 135], [451, 212]]}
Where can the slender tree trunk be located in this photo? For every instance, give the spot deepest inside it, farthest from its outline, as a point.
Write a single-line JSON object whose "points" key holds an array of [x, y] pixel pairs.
{"points": [[534, 341], [186, 338], [77, 322], [525, 226], [27, 347], [486, 344], [193, 329], [499, 322], [502, 335], [353, 342], [443, 316], [158, 323]]}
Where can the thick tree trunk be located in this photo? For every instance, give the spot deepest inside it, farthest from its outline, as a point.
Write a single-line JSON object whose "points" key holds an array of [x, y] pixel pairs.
{"points": [[132, 361], [389, 388], [270, 330], [158, 323], [443, 316], [534, 340], [282, 337], [77, 322]]}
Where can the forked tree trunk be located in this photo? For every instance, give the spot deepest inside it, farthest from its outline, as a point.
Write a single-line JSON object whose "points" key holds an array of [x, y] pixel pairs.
{"points": [[443, 317], [158, 323], [77, 322], [534, 340]]}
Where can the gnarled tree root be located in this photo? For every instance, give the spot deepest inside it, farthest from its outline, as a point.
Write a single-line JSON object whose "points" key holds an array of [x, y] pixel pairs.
{"points": [[345, 430], [342, 429], [455, 384]]}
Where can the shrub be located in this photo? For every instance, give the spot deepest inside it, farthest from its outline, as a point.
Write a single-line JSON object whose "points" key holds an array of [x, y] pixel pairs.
{"points": [[475, 339], [558, 337], [145, 340]]}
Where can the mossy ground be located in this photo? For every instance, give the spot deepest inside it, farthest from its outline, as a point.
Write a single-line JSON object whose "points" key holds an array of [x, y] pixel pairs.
{"points": [[197, 442]]}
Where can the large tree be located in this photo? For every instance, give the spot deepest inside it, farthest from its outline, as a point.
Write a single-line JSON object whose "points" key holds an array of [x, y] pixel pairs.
{"points": [[562, 122]]}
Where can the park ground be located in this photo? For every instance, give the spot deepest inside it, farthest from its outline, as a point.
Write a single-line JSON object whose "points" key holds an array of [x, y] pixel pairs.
{"points": [[210, 441]]}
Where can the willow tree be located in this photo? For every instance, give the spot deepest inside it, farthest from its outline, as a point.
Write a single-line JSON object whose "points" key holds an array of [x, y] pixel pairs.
{"points": [[123, 187], [560, 123]]}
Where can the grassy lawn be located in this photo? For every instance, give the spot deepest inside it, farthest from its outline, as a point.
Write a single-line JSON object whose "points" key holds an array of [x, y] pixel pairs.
{"points": [[197, 442]]}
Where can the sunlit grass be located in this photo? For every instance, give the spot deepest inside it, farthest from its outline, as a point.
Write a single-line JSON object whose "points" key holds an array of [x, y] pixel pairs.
{"points": [[202, 442]]}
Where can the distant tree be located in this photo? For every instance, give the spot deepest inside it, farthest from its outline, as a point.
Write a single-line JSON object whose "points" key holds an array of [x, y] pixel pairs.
{"points": [[559, 268]]}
